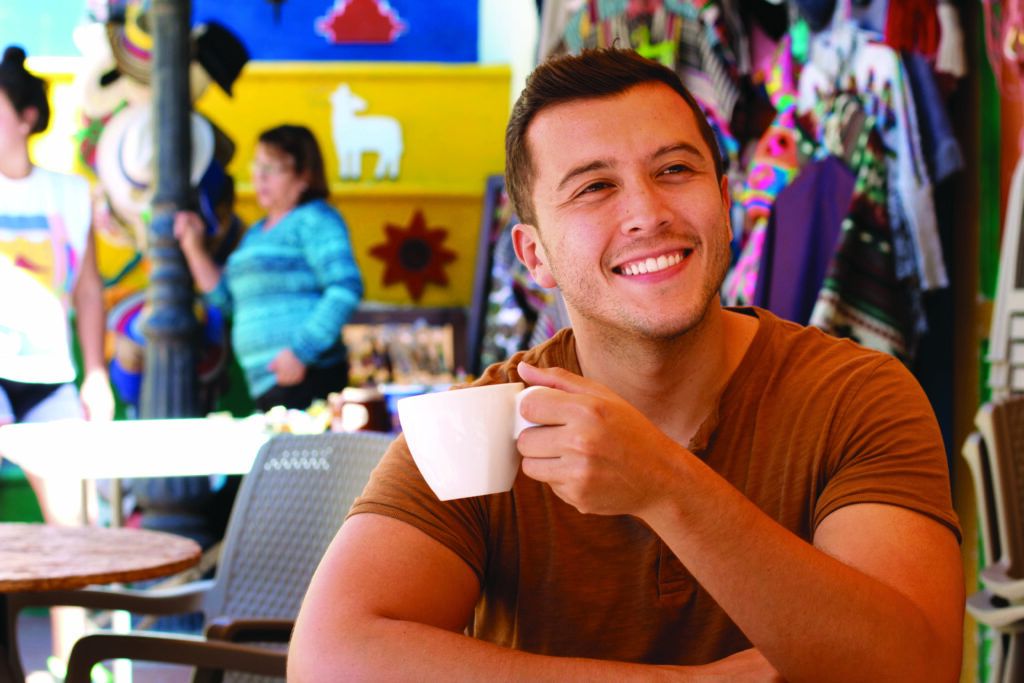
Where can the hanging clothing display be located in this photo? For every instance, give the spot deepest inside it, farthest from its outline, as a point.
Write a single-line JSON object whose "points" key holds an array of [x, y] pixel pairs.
{"points": [[801, 238], [703, 41], [834, 217], [941, 150], [849, 57], [775, 162], [862, 297]]}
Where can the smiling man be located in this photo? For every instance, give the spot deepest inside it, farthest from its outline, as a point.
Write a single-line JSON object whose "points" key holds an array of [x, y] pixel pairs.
{"points": [[711, 494]]}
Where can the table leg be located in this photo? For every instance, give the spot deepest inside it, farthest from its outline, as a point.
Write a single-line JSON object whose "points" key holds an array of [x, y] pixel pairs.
{"points": [[121, 622], [84, 493], [6, 644], [116, 503]]}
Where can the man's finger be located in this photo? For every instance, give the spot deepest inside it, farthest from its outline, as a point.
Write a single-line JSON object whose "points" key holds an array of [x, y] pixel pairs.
{"points": [[558, 378]]}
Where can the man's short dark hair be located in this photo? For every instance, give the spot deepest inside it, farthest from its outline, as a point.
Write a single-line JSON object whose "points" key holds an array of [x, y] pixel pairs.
{"points": [[592, 73]]}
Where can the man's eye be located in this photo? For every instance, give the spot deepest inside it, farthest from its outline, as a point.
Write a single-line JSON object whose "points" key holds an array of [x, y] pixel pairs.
{"points": [[675, 168], [594, 187]]}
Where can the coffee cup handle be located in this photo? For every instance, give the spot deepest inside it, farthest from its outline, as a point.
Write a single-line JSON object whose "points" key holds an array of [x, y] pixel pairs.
{"points": [[522, 423]]}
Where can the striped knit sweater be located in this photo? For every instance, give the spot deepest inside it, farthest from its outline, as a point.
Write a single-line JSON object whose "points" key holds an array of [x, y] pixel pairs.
{"points": [[292, 286]]}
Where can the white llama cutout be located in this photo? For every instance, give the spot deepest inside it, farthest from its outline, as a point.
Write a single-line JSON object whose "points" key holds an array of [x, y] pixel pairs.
{"points": [[355, 135]]}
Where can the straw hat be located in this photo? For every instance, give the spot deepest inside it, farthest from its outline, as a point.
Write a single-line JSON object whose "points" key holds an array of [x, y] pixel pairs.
{"points": [[131, 41], [97, 83], [218, 51], [126, 160]]}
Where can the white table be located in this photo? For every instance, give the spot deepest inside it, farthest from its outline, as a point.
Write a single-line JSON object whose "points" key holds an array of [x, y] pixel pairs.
{"points": [[130, 449], [133, 449]]}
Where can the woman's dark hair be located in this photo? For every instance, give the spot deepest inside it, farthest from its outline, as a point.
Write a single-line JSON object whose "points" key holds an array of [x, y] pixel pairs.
{"points": [[592, 73], [299, 143], [25, 90]]}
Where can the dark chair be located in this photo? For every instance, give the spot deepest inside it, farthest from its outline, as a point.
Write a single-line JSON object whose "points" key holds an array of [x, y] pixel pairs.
{"points": [[288, 509]]}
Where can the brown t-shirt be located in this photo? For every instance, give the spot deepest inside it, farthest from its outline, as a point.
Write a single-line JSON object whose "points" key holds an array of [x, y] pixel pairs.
{"points": [[807, 424]]}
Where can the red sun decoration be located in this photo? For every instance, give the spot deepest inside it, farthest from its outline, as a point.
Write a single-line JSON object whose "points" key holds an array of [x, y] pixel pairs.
{"points": [[361, 21], [414, 255]]}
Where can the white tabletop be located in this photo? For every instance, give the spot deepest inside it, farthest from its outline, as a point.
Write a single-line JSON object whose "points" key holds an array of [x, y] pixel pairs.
{"points": [[134, 448]]}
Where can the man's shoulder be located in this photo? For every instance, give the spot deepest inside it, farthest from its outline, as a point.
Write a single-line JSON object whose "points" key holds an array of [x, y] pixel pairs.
{"points": [[785, 351], [792, 337]]}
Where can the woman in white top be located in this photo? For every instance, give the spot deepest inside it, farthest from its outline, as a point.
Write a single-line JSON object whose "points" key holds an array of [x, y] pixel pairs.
{"points": [[47, 270]]}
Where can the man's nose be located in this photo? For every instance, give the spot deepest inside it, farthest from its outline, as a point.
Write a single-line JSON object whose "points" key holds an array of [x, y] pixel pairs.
{"points": [[646, 208]]}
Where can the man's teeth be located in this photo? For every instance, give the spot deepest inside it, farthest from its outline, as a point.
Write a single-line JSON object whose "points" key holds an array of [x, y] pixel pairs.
{"points": [[652, 265]]}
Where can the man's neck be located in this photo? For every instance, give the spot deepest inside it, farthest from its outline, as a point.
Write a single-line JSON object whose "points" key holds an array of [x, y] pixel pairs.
{"points": [[675, 383]]}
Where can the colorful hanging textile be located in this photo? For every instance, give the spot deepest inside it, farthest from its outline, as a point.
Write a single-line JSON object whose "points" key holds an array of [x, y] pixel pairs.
{"points": [[702, 40], [801, 238], [775, 162], [862, 298], [913, 25], [850, 59]]}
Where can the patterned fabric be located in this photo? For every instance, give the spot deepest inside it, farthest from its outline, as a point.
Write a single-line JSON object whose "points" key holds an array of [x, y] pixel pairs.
{"points": [[775, 162], [847, 58], [702, 40], [862, 297], [292, 286]]}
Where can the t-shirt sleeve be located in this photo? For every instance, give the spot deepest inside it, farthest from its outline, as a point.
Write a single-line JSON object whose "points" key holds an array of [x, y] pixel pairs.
{"points": [[398, 490], [885, 446], [465, 526]]}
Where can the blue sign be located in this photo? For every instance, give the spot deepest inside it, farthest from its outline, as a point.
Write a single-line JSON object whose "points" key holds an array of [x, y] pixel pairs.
{"points": [[349, 30]]}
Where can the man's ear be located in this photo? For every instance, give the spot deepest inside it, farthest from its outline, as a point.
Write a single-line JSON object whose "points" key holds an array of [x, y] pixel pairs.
{"points": [[530, 251], [727, 201]]}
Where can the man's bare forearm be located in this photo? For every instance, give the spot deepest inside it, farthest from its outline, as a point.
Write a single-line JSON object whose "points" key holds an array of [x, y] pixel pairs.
{"points": [[386, 649], [813, 616]]}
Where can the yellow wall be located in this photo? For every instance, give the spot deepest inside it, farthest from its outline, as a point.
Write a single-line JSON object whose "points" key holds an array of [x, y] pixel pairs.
{"points": [[453, 119], [56, 148]]}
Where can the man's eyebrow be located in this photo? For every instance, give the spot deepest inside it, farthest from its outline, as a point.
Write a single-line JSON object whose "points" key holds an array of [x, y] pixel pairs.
{"points": [[684, 147], [597, 164], [580, 170]]}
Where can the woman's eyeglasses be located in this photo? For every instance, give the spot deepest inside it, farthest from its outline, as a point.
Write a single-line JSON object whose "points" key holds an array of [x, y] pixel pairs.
{"points": [[268, 170]]}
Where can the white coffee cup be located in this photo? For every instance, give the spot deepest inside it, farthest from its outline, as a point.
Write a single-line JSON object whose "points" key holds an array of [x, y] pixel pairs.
{"points": [[464, 440]]}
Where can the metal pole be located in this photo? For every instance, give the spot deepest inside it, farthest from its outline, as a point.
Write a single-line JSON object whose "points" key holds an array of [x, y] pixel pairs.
{"points": [[169, 382]]}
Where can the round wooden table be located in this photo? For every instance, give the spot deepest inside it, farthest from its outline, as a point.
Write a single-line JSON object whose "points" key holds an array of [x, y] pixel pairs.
{"points": [[40, 557]]}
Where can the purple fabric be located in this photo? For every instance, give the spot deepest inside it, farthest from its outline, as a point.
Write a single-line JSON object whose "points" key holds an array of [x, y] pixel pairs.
{"points": [[941, 149], [802, 233]]}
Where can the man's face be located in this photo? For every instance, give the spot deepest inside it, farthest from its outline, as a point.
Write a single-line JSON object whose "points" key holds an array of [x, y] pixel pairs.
{"points": [[633, 225]]}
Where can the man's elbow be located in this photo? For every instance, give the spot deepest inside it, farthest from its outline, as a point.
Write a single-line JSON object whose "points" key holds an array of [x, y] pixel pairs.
{"points": [[326, 645], [310, 661]]}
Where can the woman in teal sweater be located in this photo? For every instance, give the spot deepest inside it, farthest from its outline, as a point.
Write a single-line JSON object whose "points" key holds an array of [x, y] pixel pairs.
{"points": [[291, 283]]}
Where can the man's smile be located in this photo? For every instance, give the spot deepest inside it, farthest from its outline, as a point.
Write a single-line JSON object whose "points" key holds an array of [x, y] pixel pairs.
{"points": [[652, 264]]}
